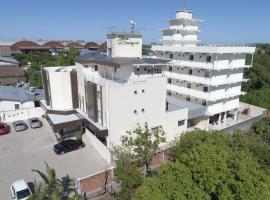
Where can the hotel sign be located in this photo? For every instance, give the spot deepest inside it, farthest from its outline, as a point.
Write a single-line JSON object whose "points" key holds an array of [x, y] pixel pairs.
{"points": [[122, 40]]}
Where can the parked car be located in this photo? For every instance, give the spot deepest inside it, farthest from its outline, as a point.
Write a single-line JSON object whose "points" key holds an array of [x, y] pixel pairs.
{"points": [[67, 146], [35, 122], [20, 190], [20, 125], [4, 128]]}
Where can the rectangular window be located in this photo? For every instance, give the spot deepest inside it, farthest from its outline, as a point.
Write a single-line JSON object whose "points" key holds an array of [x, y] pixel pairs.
{"points": [[204, 103], [171, 55], [189, 85], [190, 71], [17, 106], [191, 57], [208, 58], [169, 80], [170, 68], [205, 89], [188, 98], [96, 67], [206, 74], [181, 122]]}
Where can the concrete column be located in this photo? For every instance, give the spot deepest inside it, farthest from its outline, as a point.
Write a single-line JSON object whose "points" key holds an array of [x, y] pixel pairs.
{"points": [[235, 116], [224, 117], [219, 119], [207, 124]]}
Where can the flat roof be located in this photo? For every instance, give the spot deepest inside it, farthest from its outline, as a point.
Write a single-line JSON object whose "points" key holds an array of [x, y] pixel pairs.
{"points": [[194, 109], [59, 119], [99, 58], [205, 49], [60, 68]]}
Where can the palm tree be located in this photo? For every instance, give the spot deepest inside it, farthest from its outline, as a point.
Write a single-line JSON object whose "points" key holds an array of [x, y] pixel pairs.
{"points": [[53, 188]]}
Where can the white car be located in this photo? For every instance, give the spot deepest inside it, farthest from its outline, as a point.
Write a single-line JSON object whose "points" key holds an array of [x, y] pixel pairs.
{"points": [[20, 190]]}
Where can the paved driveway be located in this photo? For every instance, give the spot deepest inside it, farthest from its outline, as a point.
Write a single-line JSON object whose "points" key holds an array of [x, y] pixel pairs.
{"points": [[22, 151]]}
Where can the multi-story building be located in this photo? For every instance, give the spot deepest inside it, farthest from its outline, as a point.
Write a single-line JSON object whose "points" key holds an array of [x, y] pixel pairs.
{"points": [[203, 74], [111, 94]]}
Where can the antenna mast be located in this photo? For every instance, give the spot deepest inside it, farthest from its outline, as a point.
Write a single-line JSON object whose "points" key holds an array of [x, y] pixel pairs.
{"points": [[132, 25], [185, 4]]}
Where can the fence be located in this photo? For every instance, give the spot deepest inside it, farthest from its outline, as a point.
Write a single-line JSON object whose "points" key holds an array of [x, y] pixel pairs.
{"points": [[21, 114]]}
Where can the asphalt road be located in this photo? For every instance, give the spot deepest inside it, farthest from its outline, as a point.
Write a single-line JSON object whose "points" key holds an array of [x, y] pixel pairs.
{"points": [[22, 151]]}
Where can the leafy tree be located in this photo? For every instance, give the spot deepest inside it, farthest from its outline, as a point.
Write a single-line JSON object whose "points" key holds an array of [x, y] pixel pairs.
{"points": [[262, 129], [208, 165], [127, 173], [67, 57], [144, 143]]}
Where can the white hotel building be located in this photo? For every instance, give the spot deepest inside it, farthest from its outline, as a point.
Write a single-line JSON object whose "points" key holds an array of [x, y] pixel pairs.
{"points": [[207, 75], [111, 94], [187, 87]]}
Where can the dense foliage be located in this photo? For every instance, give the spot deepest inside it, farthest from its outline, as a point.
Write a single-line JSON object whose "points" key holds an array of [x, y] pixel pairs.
{"points": [[65, 58], [214, 165], [137, 149], [257, 88]]}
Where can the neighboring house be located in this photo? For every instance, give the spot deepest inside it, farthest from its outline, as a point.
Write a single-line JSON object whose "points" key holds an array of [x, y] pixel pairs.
{"points": [[206, 75], [12, 98], [54, 47], [10, 73]]}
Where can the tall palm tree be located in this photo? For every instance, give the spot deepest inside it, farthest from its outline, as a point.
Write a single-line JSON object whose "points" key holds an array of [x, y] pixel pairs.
{"points": [[51, 188]]}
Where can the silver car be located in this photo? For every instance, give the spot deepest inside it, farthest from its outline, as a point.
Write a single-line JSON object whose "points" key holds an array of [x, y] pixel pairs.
{"points": [[35, 122], [20, 125]]}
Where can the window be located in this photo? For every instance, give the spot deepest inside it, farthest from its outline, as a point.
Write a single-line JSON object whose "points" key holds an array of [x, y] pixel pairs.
{"points": [[145, 69], [142, 110], [17, 106], [143, 91], [191, 57], [190, 71], [96, 67], [109, 50], [135, 112], [189, 85], [169, 80], [199, 71], [86, 66], [181, 122], [169, 93], [177, 68], [206, 74], [138, 69], [204, 103], [188, 98], [135, 92], [171, 55], [115, 69], [161, 53], [179, 54], [170, 68], [205, 89], [208, 58]]}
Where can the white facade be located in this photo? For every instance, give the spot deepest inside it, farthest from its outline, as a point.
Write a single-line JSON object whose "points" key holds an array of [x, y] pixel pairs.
{"points": [[207, 75], [60, 87], [124, 45], [116, 93]]}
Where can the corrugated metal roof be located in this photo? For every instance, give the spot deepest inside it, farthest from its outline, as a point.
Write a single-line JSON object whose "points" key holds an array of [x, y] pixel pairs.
{"points": [[8, 60], [16, 94]]}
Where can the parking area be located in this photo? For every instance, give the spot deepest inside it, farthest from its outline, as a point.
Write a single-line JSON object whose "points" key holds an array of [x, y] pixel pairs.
{"points": [[22, 151]]}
